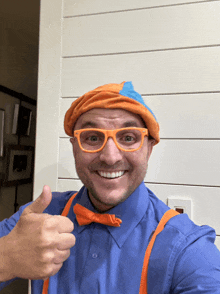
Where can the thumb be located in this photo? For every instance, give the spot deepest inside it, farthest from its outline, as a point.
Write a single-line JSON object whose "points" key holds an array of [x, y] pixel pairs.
{"points": [[41, 203]]}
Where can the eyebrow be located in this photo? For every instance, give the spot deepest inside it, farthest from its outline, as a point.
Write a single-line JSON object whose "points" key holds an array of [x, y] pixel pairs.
{"points": [[89, 124], [92, 124], [130, 124]]}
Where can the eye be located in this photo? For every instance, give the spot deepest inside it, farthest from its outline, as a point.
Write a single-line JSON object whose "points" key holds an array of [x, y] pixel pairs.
{"points": [[92, 138], [128, 138]]}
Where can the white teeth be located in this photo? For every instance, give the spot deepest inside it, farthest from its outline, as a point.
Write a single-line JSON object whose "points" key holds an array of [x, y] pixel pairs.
{"points": [[111, 175]]}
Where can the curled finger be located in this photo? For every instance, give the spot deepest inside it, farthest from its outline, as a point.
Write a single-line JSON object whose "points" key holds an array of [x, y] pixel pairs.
{"points": [[66, 241]]}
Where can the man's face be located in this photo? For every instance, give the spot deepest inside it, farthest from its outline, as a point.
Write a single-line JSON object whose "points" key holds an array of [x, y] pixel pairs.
{"points": [[129, 167]]}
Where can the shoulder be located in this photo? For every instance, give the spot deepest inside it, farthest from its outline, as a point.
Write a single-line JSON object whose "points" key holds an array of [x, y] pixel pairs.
{"points": [[180, 233], [184, 255], [180, 230], [195, 260]]}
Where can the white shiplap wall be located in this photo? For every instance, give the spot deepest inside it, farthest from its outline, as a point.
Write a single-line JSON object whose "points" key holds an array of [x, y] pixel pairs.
{"points": [[171, 52]]}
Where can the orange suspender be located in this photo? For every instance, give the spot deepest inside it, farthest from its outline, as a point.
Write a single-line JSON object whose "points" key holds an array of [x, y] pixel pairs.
{"points": [[166, 217], [64, 213], [143, 285]]}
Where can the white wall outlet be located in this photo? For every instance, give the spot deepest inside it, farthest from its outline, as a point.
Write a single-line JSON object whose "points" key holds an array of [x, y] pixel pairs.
{"points": [[181, 205]]}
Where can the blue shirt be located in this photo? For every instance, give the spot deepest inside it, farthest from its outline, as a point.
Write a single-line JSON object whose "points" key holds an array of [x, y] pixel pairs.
{"points": [[107, 260]]}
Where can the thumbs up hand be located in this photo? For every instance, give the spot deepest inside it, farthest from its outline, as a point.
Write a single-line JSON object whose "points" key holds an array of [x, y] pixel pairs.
{"points": [[39, 243]]}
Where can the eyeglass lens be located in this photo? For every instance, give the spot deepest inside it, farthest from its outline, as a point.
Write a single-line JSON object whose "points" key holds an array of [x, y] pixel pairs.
{"points": [[128, 139]]}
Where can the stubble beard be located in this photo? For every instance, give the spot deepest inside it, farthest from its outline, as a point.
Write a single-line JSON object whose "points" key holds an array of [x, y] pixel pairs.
{"points": [[107, 201], [92, 190]]}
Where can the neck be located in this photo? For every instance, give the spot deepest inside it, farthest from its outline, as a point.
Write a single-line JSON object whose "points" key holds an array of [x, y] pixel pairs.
{"points": [[98, 205]]}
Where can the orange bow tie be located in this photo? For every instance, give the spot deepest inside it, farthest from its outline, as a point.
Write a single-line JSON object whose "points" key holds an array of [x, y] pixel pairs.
{"points": [[85, 216]]}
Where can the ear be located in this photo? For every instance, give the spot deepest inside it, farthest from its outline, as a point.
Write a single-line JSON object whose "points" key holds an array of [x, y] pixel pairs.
{"points": [[150, 146], [74, 143]]}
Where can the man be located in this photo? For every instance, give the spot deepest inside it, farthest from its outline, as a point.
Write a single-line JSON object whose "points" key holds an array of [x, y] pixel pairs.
{"points": [[112, 251]]}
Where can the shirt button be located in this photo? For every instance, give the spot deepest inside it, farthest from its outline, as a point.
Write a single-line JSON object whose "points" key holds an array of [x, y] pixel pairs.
{"points": [[94, 255]]}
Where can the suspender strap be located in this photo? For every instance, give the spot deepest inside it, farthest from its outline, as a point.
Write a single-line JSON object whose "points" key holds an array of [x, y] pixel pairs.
{"points": [[64, 213], [166, 217], [68, 205]]}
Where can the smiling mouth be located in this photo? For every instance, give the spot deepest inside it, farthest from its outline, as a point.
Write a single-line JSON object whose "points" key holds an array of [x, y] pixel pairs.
{"points": [[112, 175]]}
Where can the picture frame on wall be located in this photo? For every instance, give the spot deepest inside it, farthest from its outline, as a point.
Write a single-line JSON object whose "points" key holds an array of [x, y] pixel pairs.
{"points": [[21, 120], [19, 169], [2, 118]]}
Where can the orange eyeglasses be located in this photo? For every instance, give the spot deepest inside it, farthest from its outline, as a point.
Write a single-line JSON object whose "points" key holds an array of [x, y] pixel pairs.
{"points": [[126, 139]]}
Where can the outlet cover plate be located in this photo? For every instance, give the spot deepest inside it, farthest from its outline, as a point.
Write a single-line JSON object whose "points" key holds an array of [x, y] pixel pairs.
{"points": [[185, 204]]}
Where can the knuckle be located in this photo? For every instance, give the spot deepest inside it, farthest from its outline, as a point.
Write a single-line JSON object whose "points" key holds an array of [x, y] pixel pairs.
{"points": [[52, 269], [56, 268], [47, 270], [48, 223], [58, 218], [47, 241], [65, 220], [47, 258], [69, 222], [62, 256], [66, 242]]}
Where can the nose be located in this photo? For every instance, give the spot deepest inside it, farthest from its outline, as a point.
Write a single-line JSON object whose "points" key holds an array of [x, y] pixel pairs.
{"points": [[110, 154]]}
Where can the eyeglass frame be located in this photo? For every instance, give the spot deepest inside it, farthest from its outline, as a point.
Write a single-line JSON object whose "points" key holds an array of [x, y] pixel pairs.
{"points": [[111, 134]]}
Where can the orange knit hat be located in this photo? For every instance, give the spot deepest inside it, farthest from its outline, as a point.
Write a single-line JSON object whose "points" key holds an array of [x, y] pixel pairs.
{"points": [[112, 96]]}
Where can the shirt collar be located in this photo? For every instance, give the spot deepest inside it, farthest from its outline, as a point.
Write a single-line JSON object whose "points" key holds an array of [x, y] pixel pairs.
{"points": [[131, 211]]}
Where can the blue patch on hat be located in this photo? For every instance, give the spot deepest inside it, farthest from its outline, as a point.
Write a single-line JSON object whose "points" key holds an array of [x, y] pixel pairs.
{"points": [[128, 91]]}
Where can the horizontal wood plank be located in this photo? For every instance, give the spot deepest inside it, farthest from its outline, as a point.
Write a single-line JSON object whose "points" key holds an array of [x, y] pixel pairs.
{"points": [[69, 185], [179, 116], [153, 29], [191, 162], [162, 72], [78, 7]]}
